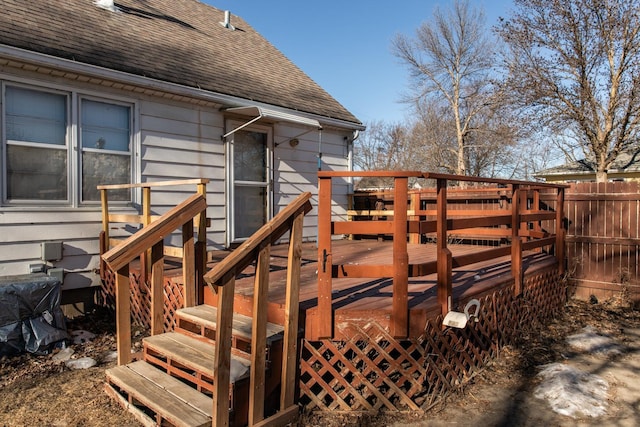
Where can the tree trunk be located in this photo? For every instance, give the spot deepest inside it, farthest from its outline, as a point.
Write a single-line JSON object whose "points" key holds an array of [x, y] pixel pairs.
{"points": [[601, 176]]}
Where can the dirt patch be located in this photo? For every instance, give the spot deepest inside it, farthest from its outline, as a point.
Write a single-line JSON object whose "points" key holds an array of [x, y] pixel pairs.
{"points": [[37, 390]]}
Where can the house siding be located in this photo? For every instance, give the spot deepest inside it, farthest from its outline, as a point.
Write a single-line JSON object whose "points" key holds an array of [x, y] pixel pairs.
{"points": [[177, 140]]}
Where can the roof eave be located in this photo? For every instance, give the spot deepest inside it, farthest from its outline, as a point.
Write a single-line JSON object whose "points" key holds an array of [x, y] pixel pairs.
{"points": [[44, 60]]}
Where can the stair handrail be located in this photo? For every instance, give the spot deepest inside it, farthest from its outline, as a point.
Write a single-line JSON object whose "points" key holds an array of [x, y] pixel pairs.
{"points": [[221, 278], [152, 237]]}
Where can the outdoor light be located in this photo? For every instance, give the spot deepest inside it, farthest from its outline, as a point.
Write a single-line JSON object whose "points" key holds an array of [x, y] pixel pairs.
{"points": [[294, 142], [459, 320]]}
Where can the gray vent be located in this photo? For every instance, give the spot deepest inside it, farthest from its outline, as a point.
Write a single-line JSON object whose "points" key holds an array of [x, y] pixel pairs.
{"points": [[227, 21]]}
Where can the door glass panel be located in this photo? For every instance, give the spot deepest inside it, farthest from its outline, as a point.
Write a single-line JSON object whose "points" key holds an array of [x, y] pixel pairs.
{"points": [[250, 211], [250, 156]]}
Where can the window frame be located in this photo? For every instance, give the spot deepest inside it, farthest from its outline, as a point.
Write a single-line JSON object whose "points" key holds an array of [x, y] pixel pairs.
{"points": [[73, 129]]}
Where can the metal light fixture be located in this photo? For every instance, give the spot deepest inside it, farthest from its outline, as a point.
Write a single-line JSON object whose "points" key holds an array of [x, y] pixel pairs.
{"points": [[459, 320]]}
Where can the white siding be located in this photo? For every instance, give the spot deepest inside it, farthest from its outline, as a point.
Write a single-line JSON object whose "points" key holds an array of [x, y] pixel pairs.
{"points": [[176, 141]]}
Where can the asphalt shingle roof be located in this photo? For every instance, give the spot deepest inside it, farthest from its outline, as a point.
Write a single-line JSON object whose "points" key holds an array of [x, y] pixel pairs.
{"points": [[177, 41], [627, 161]]}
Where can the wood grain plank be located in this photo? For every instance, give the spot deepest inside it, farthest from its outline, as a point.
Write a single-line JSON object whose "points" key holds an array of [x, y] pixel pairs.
{"points": [[151, 395]]}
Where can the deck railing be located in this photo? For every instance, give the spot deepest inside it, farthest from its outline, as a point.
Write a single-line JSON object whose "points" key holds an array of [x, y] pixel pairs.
{"points": [[145, 218], [519, 223], [151, 238], [222, 280]]}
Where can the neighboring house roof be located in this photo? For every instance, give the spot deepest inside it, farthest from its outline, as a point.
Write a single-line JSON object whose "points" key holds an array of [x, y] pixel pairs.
{"points": [[176, 41], [627, 164]]}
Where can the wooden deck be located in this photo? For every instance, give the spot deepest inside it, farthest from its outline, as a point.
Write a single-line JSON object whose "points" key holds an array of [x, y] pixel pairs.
{"points": [[371, 298], [371, 309]]}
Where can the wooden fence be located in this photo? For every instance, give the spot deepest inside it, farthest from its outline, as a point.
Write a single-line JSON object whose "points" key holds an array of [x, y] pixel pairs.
{"points": [[602, 239]]}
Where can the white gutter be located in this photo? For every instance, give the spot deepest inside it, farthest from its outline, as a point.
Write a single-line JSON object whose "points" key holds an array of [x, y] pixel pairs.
{"points": [[49, 61]]}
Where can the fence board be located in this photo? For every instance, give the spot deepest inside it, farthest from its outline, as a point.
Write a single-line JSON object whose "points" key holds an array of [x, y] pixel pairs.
{"points": [[602, 239]]}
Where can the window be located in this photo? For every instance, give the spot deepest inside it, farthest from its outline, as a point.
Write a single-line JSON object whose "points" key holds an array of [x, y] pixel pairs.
{"points": [[36, 145], [106, 148], [39, 162]]}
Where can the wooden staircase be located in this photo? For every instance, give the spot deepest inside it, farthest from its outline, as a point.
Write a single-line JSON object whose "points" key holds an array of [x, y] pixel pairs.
{"points": [[173, 383], [216, 367]]}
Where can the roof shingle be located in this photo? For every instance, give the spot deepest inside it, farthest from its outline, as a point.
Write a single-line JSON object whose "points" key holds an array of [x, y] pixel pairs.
{"points": [[177, 41]]}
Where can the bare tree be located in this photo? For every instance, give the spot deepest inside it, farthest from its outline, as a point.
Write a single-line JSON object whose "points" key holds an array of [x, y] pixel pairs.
{"points": [[450, 62], [383, 146], [575, 66]]}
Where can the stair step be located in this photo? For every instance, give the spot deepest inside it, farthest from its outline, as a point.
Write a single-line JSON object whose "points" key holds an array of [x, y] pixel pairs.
{"points": [[168, 398], [207, 316], [194, 354]]}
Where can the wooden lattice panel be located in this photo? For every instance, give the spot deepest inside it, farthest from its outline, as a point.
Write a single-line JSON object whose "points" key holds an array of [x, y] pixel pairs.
{"points": [[371, 370], [141, 299]]}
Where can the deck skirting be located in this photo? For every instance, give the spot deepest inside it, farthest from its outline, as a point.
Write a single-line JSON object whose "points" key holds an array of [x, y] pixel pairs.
{"points": [[371, 371], [141, 298]]}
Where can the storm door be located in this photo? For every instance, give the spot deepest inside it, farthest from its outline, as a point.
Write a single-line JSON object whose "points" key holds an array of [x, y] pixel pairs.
{"points": [[249, 183]]}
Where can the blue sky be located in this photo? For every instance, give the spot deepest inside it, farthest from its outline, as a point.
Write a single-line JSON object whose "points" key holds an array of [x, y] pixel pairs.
{"points": [[345, 46]]}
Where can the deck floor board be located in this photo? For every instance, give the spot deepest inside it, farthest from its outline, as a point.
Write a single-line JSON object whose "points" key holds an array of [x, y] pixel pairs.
{"points": [[375, 294]]}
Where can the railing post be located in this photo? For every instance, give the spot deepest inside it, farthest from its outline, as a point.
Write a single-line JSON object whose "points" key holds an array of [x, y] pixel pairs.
{"points": [[157, 288], [400, 305], [535, 206], [291, 314], [145, 265], [325, 263], [259, 337], [443, 254], [188, 264], [415, 206], [201, 247], [104, 236], [560, 230], [222, 357], [516, 243], [123, 316]]}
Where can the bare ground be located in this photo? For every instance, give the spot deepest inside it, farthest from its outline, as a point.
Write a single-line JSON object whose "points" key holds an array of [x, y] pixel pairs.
{"points": [[36, 390]]}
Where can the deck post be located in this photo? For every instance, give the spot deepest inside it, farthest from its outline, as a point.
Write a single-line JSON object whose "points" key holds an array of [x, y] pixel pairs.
{"points": [[443, 254], [222, 357], [123, 316], [516, 243], [560, 230], [324, 320], [188, 264], [157, 288], [400, 305], [415, 207]]}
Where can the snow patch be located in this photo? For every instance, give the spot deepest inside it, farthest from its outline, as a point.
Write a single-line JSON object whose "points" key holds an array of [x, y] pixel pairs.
{"points": [[590, 341], [571, 391]]}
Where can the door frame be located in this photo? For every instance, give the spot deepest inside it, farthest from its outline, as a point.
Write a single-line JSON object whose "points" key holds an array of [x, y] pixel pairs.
{"points": [[231, 238]]}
